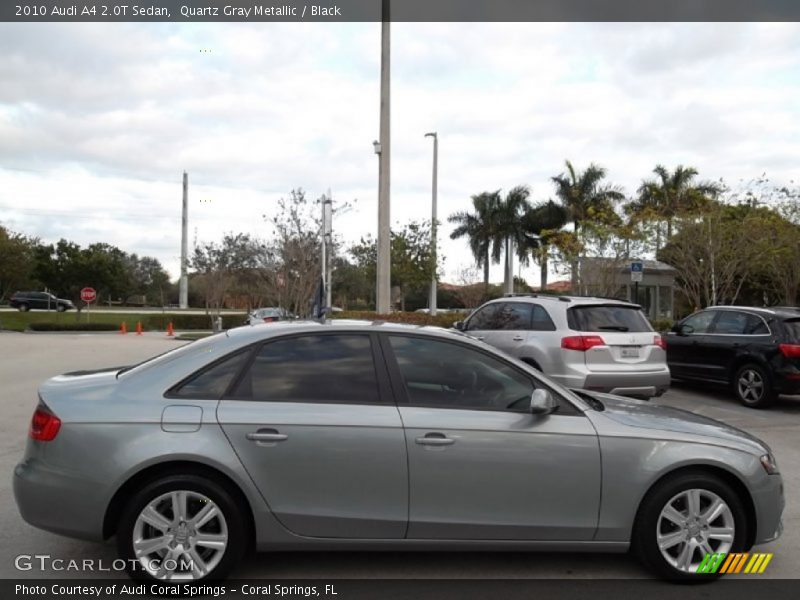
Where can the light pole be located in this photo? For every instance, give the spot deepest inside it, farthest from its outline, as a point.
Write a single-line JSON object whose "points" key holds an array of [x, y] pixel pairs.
{"points": [[434, 186], [383, 149]]}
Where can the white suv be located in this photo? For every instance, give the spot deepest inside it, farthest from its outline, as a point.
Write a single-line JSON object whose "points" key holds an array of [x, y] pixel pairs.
{"points": [[591, 343]]}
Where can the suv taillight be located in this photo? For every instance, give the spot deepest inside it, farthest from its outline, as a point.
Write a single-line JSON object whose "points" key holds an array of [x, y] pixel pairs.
{"points": [[581, 343], [790, 350], [659, 341], [44, 425]]}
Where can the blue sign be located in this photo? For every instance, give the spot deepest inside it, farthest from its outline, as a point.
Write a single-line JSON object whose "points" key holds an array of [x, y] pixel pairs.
{"points": [[637, 267]]}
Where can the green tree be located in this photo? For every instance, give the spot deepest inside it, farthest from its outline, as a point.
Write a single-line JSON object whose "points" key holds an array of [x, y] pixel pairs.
{"points": [[543, 225], [16, 262], [586, 198], [669, 196], [510, 232], [479, 229]]}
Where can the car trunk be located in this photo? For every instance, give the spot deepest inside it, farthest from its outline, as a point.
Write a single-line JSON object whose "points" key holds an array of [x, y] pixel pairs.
{"points": [[619, 338]]}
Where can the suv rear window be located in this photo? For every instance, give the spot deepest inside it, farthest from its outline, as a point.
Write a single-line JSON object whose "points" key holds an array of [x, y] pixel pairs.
{"points": [[792, 330], [607, 317]]}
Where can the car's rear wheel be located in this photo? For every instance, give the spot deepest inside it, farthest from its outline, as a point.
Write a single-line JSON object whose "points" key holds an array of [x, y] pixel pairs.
{"points": [[182, 527], [61, 308], [752, 386], [683, 519], [23, 308]]}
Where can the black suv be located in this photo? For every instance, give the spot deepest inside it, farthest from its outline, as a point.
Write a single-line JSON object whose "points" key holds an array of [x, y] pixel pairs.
{"points": [[754, 350], [29, 300]]}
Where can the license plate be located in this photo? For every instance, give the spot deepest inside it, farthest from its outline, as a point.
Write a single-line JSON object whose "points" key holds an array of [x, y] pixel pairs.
{"points": [[630, 351]]}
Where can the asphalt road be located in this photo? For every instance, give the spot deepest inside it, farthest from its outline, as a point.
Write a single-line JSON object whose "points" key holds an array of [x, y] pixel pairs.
{"points": [[27, 359]]}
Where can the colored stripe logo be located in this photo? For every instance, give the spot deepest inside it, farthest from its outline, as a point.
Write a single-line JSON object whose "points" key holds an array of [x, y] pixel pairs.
{"points": [[734, 563]]}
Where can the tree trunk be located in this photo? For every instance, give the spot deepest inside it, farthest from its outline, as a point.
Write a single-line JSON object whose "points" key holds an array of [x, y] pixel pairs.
{"points": [[508, 281], [543, 271]]}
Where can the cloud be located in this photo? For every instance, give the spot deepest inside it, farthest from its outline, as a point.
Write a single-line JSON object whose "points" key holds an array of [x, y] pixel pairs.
{"points": [[98, 121]]}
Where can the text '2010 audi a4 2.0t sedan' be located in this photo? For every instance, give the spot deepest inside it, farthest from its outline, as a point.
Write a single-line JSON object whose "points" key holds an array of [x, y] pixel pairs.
{"points": [[353, 435]]}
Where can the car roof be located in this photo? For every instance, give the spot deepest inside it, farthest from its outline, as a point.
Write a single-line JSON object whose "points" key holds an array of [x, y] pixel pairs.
{"points": [[779, 311], [566, 300]]}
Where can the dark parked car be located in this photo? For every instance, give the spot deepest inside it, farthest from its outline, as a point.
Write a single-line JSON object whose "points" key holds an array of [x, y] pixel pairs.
{"points": [[30, 300], [754, 350]]}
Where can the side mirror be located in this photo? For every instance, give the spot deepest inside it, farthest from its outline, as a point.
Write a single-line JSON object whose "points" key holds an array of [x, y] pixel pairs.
{"points": [[681, 329], [542, 402], [459, 325]]}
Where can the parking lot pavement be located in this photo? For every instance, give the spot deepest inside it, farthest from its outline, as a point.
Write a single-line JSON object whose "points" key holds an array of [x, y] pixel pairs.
{"points": [[28, 359]]}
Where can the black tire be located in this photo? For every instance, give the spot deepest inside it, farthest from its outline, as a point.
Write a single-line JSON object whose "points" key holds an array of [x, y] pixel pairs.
{"points": [[644, 541], [23, 308], [231, 510], [758, 392]]}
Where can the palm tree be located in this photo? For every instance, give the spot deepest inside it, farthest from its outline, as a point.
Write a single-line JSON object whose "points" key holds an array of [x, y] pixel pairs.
{"points": [[541, 223], [583, 196], [671, 195], [510, 233], [479, 227]]}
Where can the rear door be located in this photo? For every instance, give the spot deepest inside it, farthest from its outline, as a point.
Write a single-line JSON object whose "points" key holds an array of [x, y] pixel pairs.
{"points": [[314, 423], [628, 338], [733, 333]]}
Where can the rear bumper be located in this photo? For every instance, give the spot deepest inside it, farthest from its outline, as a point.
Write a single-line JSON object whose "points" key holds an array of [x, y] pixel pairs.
{"points": [[58, 502], [639, 384]]}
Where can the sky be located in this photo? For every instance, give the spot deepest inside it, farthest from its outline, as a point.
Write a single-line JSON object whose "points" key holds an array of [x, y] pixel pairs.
{"points": [[99, 121]]}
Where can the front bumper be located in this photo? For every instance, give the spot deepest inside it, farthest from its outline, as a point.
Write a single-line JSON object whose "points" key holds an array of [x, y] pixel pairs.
{"points": [[769, 503], [58, 502]]}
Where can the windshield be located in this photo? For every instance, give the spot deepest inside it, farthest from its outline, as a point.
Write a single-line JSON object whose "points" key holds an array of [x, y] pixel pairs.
{"points": [[607, 317]]}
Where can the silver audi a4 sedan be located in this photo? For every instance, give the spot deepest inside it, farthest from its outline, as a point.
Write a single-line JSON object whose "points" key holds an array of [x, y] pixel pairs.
{"points": [[351, 435]]}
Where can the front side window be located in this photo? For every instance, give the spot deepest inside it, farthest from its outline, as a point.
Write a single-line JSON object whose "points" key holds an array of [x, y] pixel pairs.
{"points": [[514, 316], [439, 374], [699, 322], [312, 368], [484, 318]]}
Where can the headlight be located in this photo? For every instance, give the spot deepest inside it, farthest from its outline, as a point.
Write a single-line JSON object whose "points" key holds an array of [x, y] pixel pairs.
{"points": [[769, 464]]}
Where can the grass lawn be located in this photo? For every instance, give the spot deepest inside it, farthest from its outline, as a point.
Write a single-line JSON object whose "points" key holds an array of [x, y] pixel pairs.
{"points": [[19, 321]]}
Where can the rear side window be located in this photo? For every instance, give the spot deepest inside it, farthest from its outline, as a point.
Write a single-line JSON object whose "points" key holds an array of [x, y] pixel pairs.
{"points": [[542, 320], [792, 330], [212, 382], [312, 368], [731, 323], [607, 317]]}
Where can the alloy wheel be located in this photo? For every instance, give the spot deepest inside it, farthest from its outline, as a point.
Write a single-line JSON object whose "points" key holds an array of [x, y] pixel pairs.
{"points": [[750, 386], [180, 535], [694, 523]]}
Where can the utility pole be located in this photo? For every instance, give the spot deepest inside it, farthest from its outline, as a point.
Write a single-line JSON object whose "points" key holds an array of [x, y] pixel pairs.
{"points": [[434, 186], [327, 237], [383, 148], [183, 296]]}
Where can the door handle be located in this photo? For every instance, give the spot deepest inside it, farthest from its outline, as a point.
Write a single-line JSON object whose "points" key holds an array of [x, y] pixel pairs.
{"points": [[435, 439], [518, 338], [266, 435], [479, 337]]}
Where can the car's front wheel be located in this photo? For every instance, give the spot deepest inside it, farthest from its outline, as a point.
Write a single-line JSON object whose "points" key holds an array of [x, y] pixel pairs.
{"points": [[182, 527], [685, 518]]}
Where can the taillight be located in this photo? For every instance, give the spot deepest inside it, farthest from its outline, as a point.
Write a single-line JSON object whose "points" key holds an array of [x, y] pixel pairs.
{"points": [[659, 341], [790, 350], [44, 425], [581, 343]]}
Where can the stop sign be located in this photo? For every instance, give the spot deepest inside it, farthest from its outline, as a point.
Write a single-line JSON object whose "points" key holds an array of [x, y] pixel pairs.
{"points": [[88, 294]]}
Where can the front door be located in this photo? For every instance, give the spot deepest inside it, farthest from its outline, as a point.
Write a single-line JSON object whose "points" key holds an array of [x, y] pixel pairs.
{"points": [[321, 439], [481, 466]]}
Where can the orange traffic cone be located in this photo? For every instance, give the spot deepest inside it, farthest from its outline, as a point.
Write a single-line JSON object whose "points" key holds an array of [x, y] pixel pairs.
{"points": [[170, 330], [139, 328], [123, 329]]}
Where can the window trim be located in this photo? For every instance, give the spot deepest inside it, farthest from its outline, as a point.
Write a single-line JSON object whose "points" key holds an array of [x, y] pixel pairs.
{"points": [[403, 398], [384, 393]]}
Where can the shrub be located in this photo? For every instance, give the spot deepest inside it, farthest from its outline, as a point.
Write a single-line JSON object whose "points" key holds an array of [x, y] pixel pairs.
{"points": [[49, 326], [662, 324]]}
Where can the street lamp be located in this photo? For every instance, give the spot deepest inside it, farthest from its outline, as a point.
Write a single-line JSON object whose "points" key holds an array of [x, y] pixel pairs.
{"points": [[434, 186], [383, 268]]}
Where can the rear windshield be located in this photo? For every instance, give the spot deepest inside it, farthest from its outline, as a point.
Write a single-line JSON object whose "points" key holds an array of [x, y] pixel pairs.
{"points": [[792, 330], [607, 317]]}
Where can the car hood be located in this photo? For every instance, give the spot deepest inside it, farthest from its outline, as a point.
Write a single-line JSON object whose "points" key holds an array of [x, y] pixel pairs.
{"points": [[656, 418]]}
